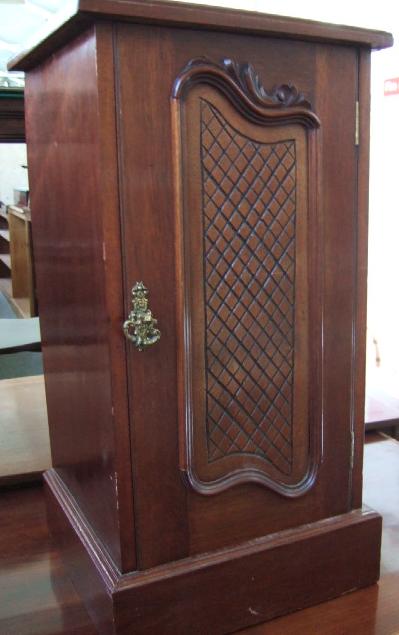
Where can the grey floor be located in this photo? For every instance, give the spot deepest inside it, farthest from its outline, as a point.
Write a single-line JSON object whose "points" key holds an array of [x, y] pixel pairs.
{"points": [[24, 364]]}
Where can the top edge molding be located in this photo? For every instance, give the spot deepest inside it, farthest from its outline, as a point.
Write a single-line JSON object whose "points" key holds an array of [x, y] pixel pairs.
{"points": [[83, 13]]}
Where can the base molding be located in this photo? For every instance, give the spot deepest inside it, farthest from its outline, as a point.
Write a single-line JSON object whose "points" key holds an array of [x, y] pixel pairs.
{"points": [[222, 591]]}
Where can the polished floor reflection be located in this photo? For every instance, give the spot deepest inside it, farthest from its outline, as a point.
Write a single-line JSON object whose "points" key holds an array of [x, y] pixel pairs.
{"points": [[37, 598], [24, 433]]}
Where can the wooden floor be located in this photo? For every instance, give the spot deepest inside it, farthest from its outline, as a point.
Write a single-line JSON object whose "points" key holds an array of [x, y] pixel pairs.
{"points": [[36, 597], [24, 435]]}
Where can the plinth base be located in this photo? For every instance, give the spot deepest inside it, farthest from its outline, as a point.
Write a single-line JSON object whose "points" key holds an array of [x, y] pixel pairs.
{"points": [[222, 591]]}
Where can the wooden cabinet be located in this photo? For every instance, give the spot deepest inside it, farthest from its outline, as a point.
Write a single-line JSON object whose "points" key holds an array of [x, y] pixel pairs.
{"points": [[213, 479]]}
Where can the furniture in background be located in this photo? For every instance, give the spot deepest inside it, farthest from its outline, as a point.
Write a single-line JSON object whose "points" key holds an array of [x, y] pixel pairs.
{"points": [[16, 258], [12, 130], [12, 122], [202, 283], [22, 268]]}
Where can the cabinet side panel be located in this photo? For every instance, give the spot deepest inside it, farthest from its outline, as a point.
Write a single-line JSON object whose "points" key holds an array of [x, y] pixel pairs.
{"points": [[64, 153]]}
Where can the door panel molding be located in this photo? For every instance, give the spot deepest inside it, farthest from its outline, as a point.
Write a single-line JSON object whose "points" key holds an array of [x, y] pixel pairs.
{"points": [[249, 292]]}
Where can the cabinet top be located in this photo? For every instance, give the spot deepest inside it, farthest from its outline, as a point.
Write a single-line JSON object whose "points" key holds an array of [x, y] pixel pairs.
{"points": [[82, 13]]}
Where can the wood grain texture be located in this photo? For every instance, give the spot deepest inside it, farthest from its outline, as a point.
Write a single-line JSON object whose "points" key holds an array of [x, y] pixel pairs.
{"points": [[296, 574], [147, 215], [113, 279], [78, 320]]}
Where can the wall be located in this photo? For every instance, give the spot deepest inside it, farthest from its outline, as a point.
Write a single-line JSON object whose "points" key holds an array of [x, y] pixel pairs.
{"points": [[381, 15], [12, 175], [383, 296]]}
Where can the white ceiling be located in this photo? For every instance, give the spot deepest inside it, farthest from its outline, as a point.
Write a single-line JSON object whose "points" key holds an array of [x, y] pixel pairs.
{"points": [[20, 20]]}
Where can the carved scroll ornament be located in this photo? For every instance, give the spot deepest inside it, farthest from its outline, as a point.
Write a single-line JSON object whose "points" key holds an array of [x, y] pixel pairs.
{"points": [[242, 84]]}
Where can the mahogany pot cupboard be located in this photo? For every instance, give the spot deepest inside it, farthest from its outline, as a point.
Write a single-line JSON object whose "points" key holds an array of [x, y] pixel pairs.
{"points": [[199, 202]]}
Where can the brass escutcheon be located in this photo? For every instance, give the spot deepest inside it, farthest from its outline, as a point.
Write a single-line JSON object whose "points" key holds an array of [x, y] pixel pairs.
{"points": [[140, 326]]}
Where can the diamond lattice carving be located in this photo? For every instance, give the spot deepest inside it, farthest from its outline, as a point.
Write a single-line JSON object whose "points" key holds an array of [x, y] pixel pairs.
{"points": [[249, 203]]}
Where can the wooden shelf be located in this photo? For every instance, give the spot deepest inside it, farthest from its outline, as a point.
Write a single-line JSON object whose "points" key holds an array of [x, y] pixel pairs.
{"points": [[15, 238], [21, 212]]}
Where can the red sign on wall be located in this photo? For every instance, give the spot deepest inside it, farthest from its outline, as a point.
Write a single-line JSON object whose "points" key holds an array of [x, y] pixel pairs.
{"points": [[391, 86]]}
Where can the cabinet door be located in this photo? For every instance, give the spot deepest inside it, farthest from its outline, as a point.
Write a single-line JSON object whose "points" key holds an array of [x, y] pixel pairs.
{"points": [[237, 177]]}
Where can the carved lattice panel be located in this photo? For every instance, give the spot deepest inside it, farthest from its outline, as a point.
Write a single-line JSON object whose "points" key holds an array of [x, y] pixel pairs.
{"points": [[249, 233], [244, 160]]}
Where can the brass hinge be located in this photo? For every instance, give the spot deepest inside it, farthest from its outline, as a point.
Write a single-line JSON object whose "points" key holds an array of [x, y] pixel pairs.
{"points": [[357, 124]]}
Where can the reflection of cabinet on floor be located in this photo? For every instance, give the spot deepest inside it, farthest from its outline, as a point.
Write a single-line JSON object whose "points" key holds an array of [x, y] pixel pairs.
{"points": [[16, 259]]}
